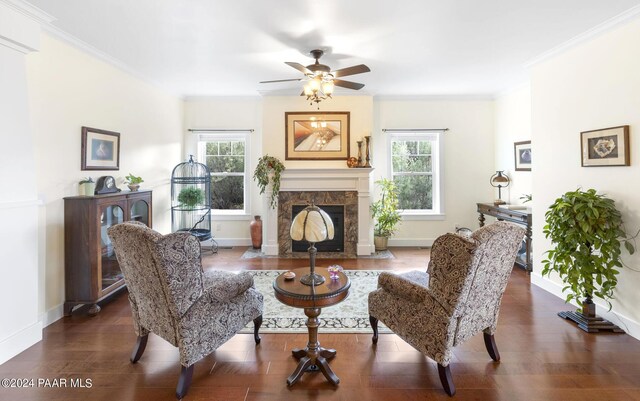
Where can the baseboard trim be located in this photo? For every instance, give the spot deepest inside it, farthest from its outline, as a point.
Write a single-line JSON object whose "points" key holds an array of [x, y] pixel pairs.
{"points": [[233, 241], [411, 242], [629, 325], [52, 315], [20, 341]]}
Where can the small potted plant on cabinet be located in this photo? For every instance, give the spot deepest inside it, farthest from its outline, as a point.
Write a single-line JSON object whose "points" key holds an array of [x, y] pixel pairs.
{"points": [[133, 182], [587, 232], [385, 213], [87, 186]]}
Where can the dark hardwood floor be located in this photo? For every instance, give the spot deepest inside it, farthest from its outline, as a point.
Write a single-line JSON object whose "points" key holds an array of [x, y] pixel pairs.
{"points": [[543, 356]]}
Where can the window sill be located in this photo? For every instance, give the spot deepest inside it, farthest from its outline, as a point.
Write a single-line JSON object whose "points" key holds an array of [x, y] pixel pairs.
{"points": [[230, 216], [408, 216]]}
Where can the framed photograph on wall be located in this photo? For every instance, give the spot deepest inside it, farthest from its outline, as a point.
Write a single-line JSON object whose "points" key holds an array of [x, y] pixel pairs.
{"points": [[317, 135], [100, 149], [605, 147], [522, 154]]}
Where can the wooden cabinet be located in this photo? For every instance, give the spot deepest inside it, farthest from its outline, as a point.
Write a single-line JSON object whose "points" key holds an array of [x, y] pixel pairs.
{"points": [[518, 216], [92, 272]]}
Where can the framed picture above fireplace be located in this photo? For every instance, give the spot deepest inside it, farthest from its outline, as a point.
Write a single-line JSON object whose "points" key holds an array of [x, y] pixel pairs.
{"points": [[317, 135]]}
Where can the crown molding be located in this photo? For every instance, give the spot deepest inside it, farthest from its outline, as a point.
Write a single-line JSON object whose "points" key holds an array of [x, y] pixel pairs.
{"points": [[468, 97], [606, 26], [30, 11]]}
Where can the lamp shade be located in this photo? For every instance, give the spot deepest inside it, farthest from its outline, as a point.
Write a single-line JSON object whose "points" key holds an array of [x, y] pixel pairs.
{"points": [[499, 179], [312, 224]]}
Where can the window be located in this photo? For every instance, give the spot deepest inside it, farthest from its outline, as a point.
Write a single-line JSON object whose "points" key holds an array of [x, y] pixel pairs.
{"points": [[415, 162], [227, 157]]}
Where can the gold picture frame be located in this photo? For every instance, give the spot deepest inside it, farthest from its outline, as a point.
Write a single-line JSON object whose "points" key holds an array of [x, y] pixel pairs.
{"points": [[605, 147], [317, 135]]}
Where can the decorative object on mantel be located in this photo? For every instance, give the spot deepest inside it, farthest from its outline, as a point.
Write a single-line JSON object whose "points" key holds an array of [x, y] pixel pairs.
{"points": [[587, 231], [100, 149], [320, 80], [133, 182], [352, 162], [269, 170], [87, 187], [256, 232], [522, 154], [367, 159], [499, 180], [605, 147], [317, 136], [385, 213], [312, 225], [359, 152]]}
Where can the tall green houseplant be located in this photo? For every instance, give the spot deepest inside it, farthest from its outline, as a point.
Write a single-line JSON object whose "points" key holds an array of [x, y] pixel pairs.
{"points": [[587, 232], [385, 213]]}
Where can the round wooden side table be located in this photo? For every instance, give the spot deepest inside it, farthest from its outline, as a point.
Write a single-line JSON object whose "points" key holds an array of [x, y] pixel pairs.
{"points": [[312, 299]]}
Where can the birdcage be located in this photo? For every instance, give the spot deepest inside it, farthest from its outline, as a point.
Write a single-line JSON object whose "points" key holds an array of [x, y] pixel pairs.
{"points": [[191, 200]]}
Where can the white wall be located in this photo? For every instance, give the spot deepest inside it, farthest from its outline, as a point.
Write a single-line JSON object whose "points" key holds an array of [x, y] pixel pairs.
{"points": [[228, 113], [468, 158], [69, 89], [594, 85], [513, 124], [20, 326]]}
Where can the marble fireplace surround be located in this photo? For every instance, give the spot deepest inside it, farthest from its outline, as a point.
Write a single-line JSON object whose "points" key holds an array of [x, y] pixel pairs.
{"points": [[345, 186]]}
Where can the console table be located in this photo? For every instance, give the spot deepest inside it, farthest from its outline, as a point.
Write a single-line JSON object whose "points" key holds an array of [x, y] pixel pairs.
{"points": [[518, 216]]}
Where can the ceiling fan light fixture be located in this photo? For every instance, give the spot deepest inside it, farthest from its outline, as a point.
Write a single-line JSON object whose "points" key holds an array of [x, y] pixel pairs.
{"points": [[327, 87]]}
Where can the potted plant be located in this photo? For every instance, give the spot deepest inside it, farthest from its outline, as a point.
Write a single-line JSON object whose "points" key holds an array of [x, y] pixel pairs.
{"points": [[133, 182], [587, 231], [385, 213], [269, 170], [190, 197], [87, 186]]}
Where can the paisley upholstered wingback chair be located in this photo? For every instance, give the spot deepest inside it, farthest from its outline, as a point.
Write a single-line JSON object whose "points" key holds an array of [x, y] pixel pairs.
{"points": [[172, 297], [458, 297]]}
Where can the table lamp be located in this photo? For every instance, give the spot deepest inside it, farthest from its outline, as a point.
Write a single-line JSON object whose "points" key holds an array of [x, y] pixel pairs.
{"points": [[499, 180], [313, 225]]}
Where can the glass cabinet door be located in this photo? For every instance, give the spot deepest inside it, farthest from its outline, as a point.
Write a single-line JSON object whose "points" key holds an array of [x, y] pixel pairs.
{"points": [[111, 274], [140, 212]]}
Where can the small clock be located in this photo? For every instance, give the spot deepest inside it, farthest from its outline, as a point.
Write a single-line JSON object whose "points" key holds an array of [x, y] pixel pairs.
{"points": [[106, 185]]}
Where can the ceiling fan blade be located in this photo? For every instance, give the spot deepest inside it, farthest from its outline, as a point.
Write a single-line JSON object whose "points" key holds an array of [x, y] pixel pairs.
{"points": [[281, 80], [299, 67], [356, 69], [348, 84]]}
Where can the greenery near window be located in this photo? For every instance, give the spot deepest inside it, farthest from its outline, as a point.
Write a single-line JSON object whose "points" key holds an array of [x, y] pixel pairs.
{"points": [[414, 162], [226, 157]]}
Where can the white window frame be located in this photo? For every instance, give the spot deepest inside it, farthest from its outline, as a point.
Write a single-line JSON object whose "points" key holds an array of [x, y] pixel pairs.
{"points": [[437, 163], [203, 138]]}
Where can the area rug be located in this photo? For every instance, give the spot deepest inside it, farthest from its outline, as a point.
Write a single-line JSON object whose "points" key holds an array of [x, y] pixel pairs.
{"points": [[349, 316], [257, 253]]}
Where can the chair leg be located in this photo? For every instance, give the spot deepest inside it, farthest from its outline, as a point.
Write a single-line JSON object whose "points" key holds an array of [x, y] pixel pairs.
{"points": [[257, 322], [186, 373], [445, 378], [490, 344], [138, 349], [374, 326]]}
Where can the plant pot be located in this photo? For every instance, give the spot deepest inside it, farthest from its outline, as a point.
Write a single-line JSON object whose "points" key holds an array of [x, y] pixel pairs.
{"points": [[588, 308], [133, 187], [89, 188], [256, 232], [380, 243]]}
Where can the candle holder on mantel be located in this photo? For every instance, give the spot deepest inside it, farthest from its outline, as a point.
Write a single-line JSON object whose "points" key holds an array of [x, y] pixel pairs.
{"points": [[359, 153], [367, 159]]}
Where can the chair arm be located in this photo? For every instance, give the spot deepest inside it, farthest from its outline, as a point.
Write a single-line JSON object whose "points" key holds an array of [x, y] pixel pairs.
{"points": [[221, 286], [403, 287]]}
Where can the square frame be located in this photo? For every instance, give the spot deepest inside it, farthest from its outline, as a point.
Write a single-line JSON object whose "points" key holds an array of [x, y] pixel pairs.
{"points": [[605, 147], [100, 149], [301, 139], [522, 155]]}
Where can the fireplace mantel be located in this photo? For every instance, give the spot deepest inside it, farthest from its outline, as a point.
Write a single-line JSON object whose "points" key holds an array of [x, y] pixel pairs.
{"points": [[326, 179]]}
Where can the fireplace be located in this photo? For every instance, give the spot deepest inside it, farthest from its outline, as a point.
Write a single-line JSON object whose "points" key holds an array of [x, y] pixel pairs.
{"points": [[336, 212], [347, 188]]}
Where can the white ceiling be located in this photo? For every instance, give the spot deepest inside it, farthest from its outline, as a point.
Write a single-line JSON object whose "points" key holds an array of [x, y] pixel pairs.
{"points": [[413, 47]]}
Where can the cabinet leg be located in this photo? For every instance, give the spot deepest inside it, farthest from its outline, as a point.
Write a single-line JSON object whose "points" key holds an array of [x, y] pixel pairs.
{"points": [[68, 308]]}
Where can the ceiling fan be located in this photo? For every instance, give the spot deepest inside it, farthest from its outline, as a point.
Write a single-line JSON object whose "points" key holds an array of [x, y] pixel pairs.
{"points": [[321, 80]]}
